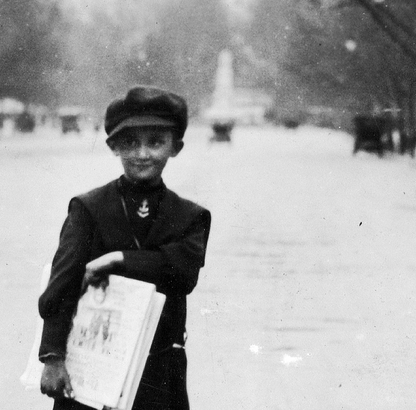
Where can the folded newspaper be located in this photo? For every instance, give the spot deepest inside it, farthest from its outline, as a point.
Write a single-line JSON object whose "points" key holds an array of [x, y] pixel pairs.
{"points": [[108, 344]]}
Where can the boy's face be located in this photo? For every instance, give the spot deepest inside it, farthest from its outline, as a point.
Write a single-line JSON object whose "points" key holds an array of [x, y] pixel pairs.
{"points": [[144, 152]]}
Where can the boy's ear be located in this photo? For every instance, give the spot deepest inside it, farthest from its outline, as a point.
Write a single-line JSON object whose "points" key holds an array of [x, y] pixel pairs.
{"points": [[115, 151], [177, 147], [113, 147]]}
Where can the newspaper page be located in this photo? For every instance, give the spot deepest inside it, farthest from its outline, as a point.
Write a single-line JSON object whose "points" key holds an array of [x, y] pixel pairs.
{"points": [[103, 339], [142, 352]]}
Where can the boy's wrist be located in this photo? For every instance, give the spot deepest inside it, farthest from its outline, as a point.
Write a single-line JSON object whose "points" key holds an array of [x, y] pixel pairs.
{"points": [[51, 358]]}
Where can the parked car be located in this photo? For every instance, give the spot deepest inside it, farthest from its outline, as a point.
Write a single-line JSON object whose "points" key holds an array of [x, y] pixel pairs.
{"points": [[222, 131], [372, 134]]}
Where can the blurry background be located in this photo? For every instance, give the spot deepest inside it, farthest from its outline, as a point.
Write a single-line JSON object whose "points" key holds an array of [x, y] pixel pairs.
{"points": [[316, 61]]}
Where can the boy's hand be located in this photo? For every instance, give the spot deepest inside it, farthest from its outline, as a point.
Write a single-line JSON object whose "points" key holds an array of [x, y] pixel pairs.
{"points": [[55, 380], [96, 271]]}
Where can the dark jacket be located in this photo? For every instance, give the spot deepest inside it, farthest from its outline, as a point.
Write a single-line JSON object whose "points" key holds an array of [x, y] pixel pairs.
{"points": [[170, 257]]}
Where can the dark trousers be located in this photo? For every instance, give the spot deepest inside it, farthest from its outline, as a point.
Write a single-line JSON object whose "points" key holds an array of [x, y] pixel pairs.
{"points": [[163, 385]]}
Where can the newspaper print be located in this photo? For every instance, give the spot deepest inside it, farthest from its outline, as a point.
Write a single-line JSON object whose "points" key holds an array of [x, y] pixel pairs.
{"points": [[103, 339]]}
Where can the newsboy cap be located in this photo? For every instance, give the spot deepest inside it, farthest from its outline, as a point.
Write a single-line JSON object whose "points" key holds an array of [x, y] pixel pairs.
{"points": [[146, 106]]}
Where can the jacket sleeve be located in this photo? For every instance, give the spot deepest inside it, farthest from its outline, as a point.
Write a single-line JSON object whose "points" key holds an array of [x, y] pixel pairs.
{"points": [[58, 302], [174, 267]]}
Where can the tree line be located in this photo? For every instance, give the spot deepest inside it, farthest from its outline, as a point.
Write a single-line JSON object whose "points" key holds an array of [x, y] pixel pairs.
{"points": [[352, 55], [61, 53]]}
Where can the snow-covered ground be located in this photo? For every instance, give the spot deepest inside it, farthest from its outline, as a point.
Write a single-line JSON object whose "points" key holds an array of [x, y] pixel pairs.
{"points": [[307, 299]]}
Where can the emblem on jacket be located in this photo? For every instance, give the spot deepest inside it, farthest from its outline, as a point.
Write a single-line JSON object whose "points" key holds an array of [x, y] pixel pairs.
{"points": [[143, 211]]}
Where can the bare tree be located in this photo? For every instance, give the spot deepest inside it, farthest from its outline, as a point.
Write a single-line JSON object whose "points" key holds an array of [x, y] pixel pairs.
{"points": [[182, 53], [29, 50]]}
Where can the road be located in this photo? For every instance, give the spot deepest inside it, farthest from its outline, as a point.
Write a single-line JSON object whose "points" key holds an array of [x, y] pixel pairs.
{"points": [[307, 299]]}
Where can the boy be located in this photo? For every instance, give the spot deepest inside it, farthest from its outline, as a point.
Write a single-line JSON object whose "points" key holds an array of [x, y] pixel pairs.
{"points": [[136, 227]]}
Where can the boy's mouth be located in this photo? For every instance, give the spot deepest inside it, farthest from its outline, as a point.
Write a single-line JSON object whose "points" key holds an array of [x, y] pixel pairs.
{"points": [[142, 165]]}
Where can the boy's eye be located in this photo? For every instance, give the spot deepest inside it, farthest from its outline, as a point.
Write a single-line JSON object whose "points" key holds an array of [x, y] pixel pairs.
{"points": [[156, 142], [151, 139], [128, 143]]}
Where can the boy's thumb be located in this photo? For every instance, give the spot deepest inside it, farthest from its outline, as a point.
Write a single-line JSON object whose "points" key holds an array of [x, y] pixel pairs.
{"points": [[68, 392]]}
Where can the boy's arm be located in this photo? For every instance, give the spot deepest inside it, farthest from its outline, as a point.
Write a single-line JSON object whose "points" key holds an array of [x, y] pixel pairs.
{"points": [[173, 268], [58, 302]]}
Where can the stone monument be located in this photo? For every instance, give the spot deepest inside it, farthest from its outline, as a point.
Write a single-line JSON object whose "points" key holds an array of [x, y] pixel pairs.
{"points": [[221, 114]]}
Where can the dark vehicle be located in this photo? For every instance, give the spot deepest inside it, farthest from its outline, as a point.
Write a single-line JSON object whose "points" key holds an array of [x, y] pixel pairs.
{"points": [[70, 118], [69, 123], [291, 123], [25, 122], [222, 131], [372, 134]]}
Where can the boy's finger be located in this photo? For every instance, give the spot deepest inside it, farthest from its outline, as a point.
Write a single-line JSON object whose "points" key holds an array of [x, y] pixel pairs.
{"points": [[68, 392], [69, 395]]}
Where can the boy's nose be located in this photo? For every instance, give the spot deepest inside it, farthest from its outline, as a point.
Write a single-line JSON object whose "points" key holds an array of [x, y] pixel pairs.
{"points": [[141, 151]]}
